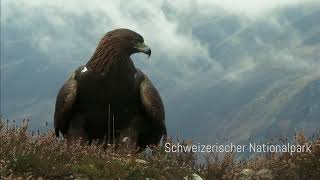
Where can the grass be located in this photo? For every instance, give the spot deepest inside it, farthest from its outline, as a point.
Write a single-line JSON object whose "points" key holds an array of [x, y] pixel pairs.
{"points": [[28, 155]]}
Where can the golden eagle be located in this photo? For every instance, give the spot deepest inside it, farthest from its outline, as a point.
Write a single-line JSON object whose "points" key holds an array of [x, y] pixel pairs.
{"points": [[109, 87]]}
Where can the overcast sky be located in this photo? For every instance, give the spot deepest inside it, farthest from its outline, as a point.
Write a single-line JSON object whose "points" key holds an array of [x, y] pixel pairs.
{"points": [[68, 31], [170, 38], [249, 7]]}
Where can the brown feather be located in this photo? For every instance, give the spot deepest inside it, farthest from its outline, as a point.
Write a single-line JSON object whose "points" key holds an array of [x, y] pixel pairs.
{"points": [[154, 114], [151, 100]]}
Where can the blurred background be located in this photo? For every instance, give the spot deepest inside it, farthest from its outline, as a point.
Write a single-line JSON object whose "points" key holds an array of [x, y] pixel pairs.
{"points": [[226, 71]]}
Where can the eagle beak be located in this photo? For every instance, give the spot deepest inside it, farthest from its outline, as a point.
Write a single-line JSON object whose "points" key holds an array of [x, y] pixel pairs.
{"points": [[142, 47]]}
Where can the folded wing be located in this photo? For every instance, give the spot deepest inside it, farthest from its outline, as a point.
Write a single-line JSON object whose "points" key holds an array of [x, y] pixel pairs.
{"points": [[153, 108], [64, 105]]}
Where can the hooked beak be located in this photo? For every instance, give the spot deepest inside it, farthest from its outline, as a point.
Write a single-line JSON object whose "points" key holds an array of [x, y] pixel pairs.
{"points": [[142, 47]]}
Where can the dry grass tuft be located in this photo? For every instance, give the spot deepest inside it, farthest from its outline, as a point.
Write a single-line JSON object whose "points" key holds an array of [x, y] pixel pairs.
{"points": [[29, 155]]}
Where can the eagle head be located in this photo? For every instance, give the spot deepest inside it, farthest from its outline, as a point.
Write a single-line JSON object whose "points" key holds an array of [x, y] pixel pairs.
{"points": [[128, 41], [116, 46]]}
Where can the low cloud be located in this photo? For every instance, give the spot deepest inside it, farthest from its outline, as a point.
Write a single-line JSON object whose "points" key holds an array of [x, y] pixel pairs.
{"points": [[196, 44]]}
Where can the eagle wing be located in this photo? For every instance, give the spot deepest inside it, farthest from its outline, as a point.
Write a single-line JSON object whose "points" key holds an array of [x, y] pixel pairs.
{"points": [[151, 102], [64, 104]]}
